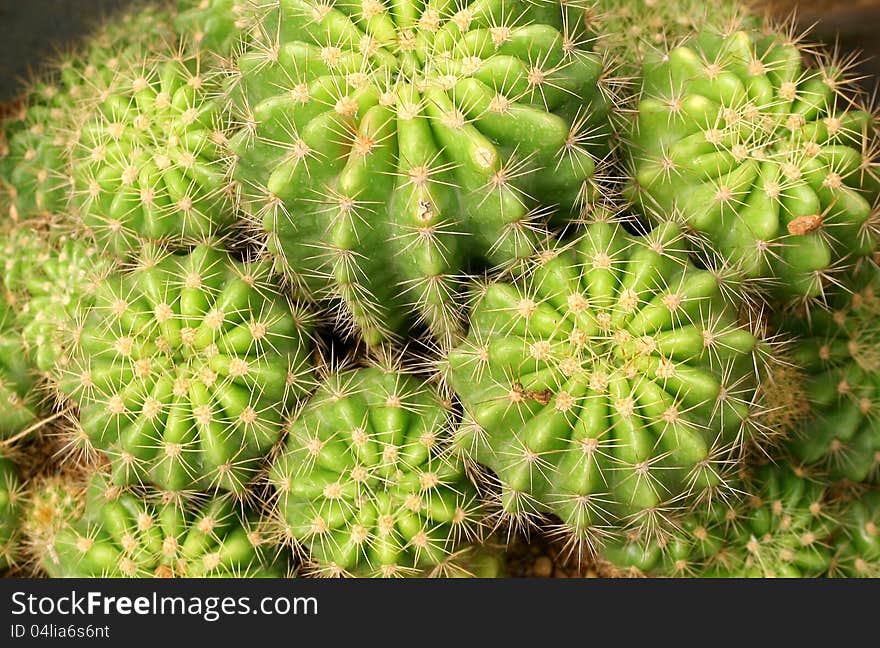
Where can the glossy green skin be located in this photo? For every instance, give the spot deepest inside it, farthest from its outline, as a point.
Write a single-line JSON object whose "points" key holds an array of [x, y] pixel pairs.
{"points": [[10, 513], [858, 547], [605, 384], [124, 535], [150, 161], [188, 387], [751, 149], [35, 174], [782, 531], [50, 279], [837, 348], [18, 398], [381, 177], [367, 485]]}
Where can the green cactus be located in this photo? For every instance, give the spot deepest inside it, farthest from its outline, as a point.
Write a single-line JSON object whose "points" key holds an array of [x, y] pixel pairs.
{"points": [[35, 176], [49, 504], [630, 29], [386, 149], [839, 350], [857, 552], [150, 159], [19, 399], [218, 27], [769, 160], [608, 385], [50, 277], [783, 530], [10, 513], [185, 367], [122, 534], [366, 485]]}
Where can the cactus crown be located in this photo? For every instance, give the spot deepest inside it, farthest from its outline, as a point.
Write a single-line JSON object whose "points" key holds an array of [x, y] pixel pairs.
{"points": [[839, 349], [184, 368], [609, 385], [125, 534], [366, 484], [148, 158]]}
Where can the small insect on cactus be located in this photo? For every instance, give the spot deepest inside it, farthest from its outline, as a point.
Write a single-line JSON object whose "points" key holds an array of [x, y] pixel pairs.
{"points": [[19, 399], [149, 159], [366, 484], [839, 350], [770, 160], [386, 150], [50, 277], [124, 534], [10, 513], [184, 369], [610, 384], [857, 548]]}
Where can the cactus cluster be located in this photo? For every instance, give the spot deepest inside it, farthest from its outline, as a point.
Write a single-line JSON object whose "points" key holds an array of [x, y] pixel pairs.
{"points": [[783, 530], [600, 270], [839, 350], [121, 534]]}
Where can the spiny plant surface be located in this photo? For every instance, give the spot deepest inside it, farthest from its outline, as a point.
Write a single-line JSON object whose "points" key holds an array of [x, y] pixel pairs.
{"points": [[629, 29], [149, 161], [218, 27], [50, 277], [184, 369], [769, 159], [387, 147], [50, 503], [857, 548], [366, 484], [18, 394], [784, 532], [125, 534], [839, 351], [782, 529], [609, 385], [10, 513], [34, 173]]}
